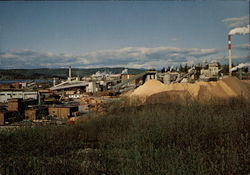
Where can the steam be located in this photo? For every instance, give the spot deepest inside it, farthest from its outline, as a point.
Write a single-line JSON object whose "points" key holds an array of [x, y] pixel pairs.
{"points": [[101, 74], [171, 68], [124, 71], [241, 65], [240, 30]]}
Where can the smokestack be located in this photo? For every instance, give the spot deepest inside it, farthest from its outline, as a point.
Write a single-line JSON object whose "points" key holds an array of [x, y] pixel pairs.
{"points": [[69, 71], [229, 55], [235, 31], [54, 81]]}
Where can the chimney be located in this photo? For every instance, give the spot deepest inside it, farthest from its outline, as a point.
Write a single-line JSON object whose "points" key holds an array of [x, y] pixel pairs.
{"points": [[230, 55], [69, 71], [54, 81]]}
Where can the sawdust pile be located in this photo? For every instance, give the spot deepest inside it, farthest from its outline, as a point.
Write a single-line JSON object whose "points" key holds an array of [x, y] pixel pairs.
{"points": [[93, 104], [154, 91]]}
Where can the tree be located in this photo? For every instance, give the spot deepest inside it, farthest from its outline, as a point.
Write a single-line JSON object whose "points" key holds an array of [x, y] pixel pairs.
{"points": [[168, 69], [163, 70], [185, 68], [219, 65], [225, 68], [181, 68]]}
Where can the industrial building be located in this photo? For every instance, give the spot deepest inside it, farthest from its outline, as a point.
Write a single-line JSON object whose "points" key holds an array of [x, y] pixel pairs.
{"points": [[18, 104], [14, 104], [36, 112], [102, 81], [63, 111], [8, 116], [5, 95]]}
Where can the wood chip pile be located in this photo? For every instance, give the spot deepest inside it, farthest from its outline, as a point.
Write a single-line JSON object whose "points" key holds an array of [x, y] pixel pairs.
{"points": [[155, 91]]}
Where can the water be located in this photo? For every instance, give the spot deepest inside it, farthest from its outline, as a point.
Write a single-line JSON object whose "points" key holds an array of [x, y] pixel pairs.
{"points": [[21, 81]]}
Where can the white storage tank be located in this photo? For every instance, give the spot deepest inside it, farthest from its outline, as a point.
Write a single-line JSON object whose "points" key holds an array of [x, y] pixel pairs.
{"points": [[166, 79]]}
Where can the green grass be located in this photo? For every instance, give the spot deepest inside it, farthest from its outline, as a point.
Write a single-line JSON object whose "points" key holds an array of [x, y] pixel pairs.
{"points": [[153, 139]]}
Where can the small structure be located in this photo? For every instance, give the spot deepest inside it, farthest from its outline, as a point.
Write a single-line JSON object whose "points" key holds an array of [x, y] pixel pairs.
{"points": [[8, 116], [18, 104], [92, 87], [166, 78], [142, 77], [46, 96], [212, 73], [36, 112], [2, 117], [63, 111], [125, 77], [11, 86], [14, 104]]}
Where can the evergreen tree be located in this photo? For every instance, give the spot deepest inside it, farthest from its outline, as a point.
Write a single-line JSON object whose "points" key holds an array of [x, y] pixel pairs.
{"points": [[219, 65], [180, 68], [225, 68], [186, 68], [168, 69], [163, 70]]}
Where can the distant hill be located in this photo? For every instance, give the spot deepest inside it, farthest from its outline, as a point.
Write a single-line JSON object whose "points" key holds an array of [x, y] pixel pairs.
{"points": [[44, 73]]}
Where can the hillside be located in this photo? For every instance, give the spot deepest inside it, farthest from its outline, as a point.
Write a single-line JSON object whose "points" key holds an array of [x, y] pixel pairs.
{"points": [[168, 139], [14, 74]]}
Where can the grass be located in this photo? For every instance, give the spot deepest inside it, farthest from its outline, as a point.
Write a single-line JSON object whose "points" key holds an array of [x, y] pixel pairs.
{"points": [[156, 139]]}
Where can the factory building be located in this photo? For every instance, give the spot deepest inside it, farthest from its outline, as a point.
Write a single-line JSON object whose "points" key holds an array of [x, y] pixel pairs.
{"points": [[10, 94], [18, 104], [63, 111], [8, 116], [125, 77], [36, 112], [14, 104]]}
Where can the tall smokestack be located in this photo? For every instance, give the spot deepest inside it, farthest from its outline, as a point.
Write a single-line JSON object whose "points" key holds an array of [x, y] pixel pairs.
{"points": [[230, 55], [235, 31], [69, 71], [54, 81]]}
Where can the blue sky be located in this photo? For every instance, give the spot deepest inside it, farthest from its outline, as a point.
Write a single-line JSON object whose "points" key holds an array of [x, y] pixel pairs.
{"points": [[139, 34]]}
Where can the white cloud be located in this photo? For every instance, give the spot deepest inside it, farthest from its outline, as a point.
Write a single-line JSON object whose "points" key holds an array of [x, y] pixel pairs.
{"points": [[134, 57], [237, 57], [245, 46], [236, 22], [175, 39]]}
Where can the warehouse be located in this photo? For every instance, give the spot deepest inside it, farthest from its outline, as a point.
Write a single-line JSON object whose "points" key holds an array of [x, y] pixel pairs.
{"points": [[36, 112], [63, 111], [5, 95]]}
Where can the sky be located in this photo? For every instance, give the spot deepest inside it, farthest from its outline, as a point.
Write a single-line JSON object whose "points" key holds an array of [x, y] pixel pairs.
{"points": [[132, 34]]}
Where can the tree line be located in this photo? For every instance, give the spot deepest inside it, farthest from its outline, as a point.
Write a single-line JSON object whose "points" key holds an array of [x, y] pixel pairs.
{"points": [[184, 68]]}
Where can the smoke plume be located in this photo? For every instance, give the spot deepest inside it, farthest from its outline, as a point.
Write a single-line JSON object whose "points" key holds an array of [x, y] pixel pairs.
{"points": [[241, 65], [240, 30], [171, 68], [124, 71]]}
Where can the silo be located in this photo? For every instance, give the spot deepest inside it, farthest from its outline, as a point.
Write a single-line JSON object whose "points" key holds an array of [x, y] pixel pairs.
{"points": [[166, 79]]}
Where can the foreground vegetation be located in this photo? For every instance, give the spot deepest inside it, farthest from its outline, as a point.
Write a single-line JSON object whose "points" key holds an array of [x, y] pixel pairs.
{"points": [[152, 139]]}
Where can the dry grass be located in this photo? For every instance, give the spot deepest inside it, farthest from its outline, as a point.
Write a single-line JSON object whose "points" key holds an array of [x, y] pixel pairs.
{"points": [[151, 139]]}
